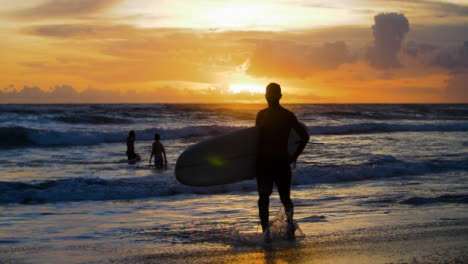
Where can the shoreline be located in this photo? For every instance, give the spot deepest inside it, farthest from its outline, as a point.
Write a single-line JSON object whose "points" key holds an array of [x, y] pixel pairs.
{"points": [[433, 242], [435, 233]]}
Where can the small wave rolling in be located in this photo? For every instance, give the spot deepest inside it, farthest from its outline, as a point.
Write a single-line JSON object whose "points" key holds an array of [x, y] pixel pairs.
{"points": [[363, 162], [78, 150]]}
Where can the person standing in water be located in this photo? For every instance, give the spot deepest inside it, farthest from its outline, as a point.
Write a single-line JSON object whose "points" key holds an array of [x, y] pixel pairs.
{"points": [[131, 155], [158, 152], [273, 161]]}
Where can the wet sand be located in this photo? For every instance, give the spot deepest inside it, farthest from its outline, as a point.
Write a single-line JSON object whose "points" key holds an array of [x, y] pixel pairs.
{"points": [[437, 242], [433, 233]]}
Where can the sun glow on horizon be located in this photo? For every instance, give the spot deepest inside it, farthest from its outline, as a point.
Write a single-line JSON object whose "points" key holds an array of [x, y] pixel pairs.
{"points": [[139, 51], [250, 88], [238, 16]]}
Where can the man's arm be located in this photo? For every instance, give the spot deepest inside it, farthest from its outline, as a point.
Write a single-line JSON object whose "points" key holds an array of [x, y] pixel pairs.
{"points": [[164, 154], [304, 138], [257, 120], [152, 153]]}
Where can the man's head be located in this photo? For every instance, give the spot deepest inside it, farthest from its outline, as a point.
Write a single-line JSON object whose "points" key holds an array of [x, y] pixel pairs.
{"points": [[131, 133], [273, 94], [156, 137]]}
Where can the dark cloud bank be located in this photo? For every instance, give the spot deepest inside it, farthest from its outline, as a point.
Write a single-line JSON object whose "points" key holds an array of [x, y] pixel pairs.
{"points": [[164, 94], [389, 31], [454, 59], [67, 94]]}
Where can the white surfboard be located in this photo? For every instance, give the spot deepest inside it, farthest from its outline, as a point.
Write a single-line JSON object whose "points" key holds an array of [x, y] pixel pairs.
{"points": [[223, 159]]}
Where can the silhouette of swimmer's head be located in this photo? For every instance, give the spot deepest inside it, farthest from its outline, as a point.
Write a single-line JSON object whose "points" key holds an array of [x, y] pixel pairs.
{"points": [[131, 133], [273, 93], [156, 137]]}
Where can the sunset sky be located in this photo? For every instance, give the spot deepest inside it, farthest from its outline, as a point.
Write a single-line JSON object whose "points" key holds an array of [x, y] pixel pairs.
{"points": [[354, 51]]}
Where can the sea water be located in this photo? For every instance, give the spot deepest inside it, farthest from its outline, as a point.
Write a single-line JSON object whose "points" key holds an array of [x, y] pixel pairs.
{"points": [[67, 192]]}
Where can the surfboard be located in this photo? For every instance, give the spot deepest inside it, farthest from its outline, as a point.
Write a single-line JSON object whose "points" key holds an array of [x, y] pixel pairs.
{"points": [[223, 159]]}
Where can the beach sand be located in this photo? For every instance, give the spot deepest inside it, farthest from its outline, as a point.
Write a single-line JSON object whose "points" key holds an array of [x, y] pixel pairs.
{"points": [[432, 233], [442, 242]]}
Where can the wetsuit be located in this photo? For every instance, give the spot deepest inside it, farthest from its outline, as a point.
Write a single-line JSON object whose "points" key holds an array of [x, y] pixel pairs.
{"points": [[275, 124]]}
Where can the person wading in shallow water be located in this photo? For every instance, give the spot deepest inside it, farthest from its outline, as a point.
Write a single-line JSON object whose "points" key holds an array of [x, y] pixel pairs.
{"points": [[131, 155], [273, 161], [159, 153]]}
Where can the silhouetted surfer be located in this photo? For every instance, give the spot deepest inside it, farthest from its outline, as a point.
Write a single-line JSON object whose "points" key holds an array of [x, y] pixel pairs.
{"points": [[131, 155], [275, 123]]}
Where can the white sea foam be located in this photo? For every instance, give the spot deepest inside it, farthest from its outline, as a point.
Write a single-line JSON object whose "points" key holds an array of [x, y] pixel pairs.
{"points": [[94, 189]]}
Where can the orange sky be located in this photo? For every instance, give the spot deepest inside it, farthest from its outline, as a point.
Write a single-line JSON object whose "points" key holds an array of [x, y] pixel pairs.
{"points": [[228, 51]]}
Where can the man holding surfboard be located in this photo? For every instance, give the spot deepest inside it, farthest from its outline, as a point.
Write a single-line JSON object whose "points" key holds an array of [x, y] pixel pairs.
{"points": [[273, 161]]}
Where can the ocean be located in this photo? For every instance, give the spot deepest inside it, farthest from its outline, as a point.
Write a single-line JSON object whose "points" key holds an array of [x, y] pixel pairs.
{"points": [[67, 193]]}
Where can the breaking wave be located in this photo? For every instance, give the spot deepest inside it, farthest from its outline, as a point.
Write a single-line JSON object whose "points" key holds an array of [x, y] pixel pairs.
{"points": [[363, 128], [446, 198], [19, 136], [91, 119], [97, 189]]}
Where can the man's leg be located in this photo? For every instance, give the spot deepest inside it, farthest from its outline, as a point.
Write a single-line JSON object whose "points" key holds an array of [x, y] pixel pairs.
{"points": [[131, 155], [283, 182], [264, 188], [158, 162]]}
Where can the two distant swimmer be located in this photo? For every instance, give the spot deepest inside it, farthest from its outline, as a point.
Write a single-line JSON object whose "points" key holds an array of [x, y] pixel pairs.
{"points": [[157, 151]]}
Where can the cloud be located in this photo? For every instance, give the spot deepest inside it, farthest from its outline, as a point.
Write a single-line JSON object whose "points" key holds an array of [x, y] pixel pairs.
{"points": [[452, 58], [278, 59], [116, 57], [389, 30], [29, 93], [438, 7], [331, 55], [64, 8], [429, 5], [293, 60], [9, 88], [455, 60], [445, 9], [33, 65], [68, 94], [414, 48], [80, 31], [164, 93], [124, 53], [419, 10], [457, 89], [316, 4]]}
